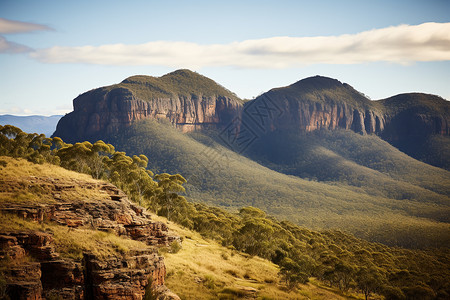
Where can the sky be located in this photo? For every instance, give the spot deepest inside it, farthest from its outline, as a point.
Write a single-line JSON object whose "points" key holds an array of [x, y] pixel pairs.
{"points": [[51, 50]]}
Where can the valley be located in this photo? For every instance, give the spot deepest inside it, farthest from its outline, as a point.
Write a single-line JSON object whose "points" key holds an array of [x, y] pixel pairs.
{"points": [[312, 152], [304, 184]]}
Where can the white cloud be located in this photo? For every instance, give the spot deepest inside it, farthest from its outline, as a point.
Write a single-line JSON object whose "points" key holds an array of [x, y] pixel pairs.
{"points": [[402, 44], [10, 26], [11, 47]]}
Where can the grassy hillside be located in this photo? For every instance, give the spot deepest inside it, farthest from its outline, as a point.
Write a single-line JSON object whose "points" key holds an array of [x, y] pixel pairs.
{"points": [[366, 162], [18, 183], [424, 103], [221, 177]]}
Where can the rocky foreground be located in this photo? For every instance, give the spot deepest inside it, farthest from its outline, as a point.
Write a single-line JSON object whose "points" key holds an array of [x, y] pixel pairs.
{"points": [[33, 269]]}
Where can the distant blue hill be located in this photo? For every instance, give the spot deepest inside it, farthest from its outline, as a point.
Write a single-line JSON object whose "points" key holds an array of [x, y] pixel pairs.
{"points": [[32, 124]]}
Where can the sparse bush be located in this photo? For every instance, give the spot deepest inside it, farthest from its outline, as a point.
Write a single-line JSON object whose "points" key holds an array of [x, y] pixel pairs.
{"points": [[209, 281], [175, 246], [235, 293], [232, 273]]}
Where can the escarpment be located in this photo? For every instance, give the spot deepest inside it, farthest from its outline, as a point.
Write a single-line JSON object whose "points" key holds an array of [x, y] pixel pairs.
{"points": [[274, 111], [36, 269], [187, 100], [190, 102]]}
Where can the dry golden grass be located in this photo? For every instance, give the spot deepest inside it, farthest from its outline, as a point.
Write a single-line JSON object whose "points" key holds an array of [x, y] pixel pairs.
{"points": [[71, 243], [203, 269], [25, 182], [21, 168]]}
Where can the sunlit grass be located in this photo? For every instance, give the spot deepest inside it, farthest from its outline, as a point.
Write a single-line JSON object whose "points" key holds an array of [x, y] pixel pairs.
{"points": [[20, 168], [25, 182], [203, 269]]}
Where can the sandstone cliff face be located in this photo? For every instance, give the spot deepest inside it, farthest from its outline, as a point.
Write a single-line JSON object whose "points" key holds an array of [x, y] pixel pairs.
{"points": [[272, 112], [49, 274], [324, 103], [106, 112]]}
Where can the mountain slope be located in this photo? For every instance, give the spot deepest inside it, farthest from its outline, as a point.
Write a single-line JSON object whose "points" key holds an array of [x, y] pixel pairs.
{"points": [[219, 176], [311, 152], [223, 273], [417, 124], [92, 259]]}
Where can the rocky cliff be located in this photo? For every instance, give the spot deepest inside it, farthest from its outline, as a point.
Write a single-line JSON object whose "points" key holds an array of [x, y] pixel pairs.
{"points": [[184, 98], [34, 268], [324, 103]]}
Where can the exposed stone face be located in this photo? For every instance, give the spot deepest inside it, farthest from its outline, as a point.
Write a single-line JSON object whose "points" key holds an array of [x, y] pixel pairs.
{"points": [[123, 278], [414, 124], [284, 113], [116, 277], [106, 112], [117, 214]]}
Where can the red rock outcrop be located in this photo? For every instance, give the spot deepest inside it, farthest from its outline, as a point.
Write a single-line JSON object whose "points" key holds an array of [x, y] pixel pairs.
{"points": [[119, 108], [117, 277], [117, 214], [123, 278]]}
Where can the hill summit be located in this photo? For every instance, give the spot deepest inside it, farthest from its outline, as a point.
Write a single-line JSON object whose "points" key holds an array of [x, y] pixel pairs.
{"points": [[182, 82]]}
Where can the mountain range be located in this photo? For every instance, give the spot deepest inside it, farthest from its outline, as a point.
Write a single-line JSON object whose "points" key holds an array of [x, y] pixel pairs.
{"points": [[38, 124], [317, 152]]}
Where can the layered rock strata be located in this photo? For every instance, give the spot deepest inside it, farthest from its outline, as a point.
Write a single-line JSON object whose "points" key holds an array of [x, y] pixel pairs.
{"points": [[50, 275]]}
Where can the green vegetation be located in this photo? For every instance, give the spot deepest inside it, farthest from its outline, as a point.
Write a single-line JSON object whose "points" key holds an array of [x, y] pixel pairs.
{"points": [[324, 90], [366, 162], [99, 160], [204, 269], [356, 183], [183, 83], [424, 103], [340, 260]]}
